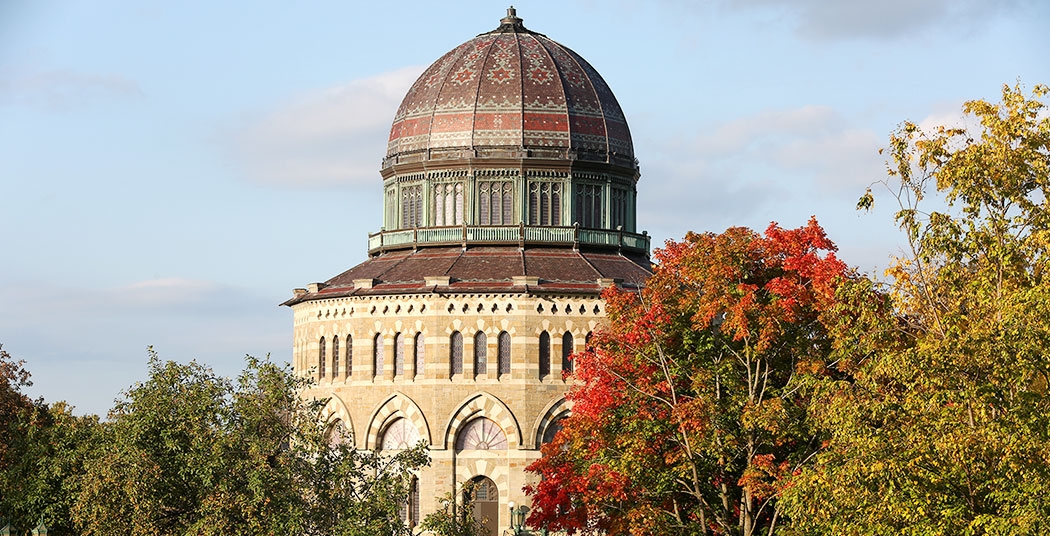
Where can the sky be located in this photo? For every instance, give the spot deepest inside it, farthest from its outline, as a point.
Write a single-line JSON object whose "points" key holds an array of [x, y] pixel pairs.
{"points": [[170, 171]]}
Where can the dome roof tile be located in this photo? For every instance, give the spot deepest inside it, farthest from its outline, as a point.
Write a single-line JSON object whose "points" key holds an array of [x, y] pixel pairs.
{"points": [[510, 89]]}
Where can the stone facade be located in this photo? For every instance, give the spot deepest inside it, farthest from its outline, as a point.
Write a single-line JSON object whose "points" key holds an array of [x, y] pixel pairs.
{"points": [[524, 402], [458, 329]]}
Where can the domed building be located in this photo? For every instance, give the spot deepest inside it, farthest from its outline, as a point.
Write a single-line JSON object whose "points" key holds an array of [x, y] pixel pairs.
{"points": [[509, 205]]}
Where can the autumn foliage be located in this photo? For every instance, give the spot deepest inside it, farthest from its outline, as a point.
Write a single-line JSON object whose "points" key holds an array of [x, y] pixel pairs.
{"points": [[689, 412]]}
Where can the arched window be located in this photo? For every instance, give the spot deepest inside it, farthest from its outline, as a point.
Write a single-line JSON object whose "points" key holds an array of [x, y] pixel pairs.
{"points": [[503, 353], [455, 353], [399, 355], [411, 206], [481, 434], [448, 204], [377, 356], [349, 356], [545, 354], [587, 341], [566, 352], [589, 207], [483, 496], [338, 434], [495, 202], [419, 355], [544, 203], [399, 435], [481, 354], [410, 510], [335, 356], [552, 429], [321, 358]]}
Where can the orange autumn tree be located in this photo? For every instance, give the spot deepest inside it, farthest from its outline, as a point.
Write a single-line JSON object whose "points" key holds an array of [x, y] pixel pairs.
{"points": [[689, 411]]}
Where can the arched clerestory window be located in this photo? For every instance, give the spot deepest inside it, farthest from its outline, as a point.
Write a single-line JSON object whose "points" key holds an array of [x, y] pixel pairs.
{"points": [[545, 354], [419, 355], [321, 358], [566, 352], [399, 355], [481, 354], [377, 356], [335, 356], [455, 353], [503, 353]]}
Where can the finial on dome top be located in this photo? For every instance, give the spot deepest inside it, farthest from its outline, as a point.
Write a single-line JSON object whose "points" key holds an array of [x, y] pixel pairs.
{"points": [[512, 16], [511, 19]]}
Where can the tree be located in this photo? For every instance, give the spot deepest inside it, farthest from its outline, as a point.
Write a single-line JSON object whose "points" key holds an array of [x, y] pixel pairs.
{"points": [[688, 413], [945, 427], [41, 454], [189, 452]]}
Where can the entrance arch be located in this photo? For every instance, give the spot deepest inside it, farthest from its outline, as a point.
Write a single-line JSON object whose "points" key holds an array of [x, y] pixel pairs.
{"points": [[484, 500]]}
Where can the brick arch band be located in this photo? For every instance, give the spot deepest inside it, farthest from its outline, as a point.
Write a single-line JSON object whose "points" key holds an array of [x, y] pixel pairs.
{"points": [[556, 409], [397, 405], [336, 409], [483, 405]]}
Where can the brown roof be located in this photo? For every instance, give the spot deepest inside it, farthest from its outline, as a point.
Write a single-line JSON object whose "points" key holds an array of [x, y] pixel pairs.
{"points": [[492, 269], [510, 89]]}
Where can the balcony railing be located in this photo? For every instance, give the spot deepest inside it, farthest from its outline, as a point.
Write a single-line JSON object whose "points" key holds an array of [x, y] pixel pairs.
{"points": [[520, 235]]}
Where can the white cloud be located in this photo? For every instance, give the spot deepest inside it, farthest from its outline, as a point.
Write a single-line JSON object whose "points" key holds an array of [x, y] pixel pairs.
{"points": [[63, 89], [334, 136], [68, 334], [822, 20], [775, 165]]}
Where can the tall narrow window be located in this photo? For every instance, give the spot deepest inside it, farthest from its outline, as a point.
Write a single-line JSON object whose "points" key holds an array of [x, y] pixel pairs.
{"points": [[411, 206], [589, 209], [545, 354], [349, 356], [545, 203], [481, 354], [566, 352], [448, 204], [455, 353], [321, 358], [390, 215], [377, 356], [419, 355], [503, 353], [619, 203], [335, 356], [495, 202], [399, 355], [410, 509]]}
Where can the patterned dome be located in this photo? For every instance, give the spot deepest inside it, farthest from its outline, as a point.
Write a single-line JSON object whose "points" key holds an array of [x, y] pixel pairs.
{"points": [[510, 93]]}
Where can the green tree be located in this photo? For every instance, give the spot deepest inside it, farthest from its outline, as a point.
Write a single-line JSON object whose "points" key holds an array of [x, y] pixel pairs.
{"points": [[945, 426], [189, 452], [688, 413], [41, 454]]}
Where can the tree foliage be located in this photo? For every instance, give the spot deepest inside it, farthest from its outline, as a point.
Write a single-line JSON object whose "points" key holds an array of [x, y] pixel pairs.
{"points": [[190, 452], [688, 416], [41, 454], [945, 427]]}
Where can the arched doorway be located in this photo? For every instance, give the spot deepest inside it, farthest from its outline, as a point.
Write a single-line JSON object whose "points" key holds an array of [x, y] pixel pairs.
{"points": [[484, 499]]}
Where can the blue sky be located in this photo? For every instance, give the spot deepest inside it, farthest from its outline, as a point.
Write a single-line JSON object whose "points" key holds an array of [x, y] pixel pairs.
{"points": [[170, 171]]}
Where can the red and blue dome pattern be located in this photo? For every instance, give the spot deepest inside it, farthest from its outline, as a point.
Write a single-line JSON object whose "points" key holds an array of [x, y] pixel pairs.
{"points": [[514, 89]]}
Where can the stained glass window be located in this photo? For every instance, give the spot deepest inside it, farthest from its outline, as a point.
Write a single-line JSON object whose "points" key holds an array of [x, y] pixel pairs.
{"points": [[481, 434]]}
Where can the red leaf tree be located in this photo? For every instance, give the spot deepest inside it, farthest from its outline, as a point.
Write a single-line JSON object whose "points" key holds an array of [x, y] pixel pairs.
{"points": [[689, 411]]}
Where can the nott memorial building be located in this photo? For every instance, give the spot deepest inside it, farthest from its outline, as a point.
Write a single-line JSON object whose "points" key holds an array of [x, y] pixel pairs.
{"points": [[509, 195]]}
